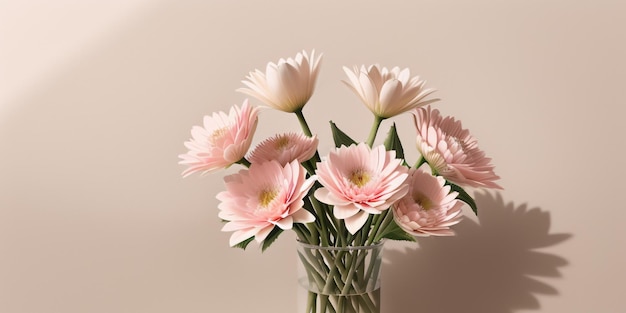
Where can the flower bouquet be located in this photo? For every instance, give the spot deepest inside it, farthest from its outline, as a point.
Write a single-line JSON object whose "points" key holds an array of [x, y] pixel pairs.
{"points": [[344, 205]]}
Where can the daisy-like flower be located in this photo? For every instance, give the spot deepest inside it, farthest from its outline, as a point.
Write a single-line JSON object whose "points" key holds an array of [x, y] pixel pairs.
{"points": [[221, 141], [285, 148], [265, 196], [360, 181], [429, 208], [386, 92], [286, 85], [452, 151]]}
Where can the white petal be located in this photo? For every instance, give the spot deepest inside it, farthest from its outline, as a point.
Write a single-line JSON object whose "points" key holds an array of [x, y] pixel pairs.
{"points": [[345, 211], [355, 222], [404, 75], [389, 95], [354, 80], [285, 223], [303, 216], [241, 235], [369, 92], [262, 233]]}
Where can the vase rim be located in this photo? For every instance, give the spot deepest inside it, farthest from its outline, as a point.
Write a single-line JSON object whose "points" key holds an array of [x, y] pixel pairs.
{"points": [[366, 247]]}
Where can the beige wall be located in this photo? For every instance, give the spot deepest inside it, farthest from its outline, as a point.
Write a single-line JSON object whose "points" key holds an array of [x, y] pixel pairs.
{"points": [[96, 99]]}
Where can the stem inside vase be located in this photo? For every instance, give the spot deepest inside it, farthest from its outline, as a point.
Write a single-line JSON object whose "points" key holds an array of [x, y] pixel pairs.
{"points": [[340, 279]]}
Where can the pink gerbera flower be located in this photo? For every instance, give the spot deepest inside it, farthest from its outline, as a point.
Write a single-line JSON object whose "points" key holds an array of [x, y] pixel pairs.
{"points": [[429, 208], [285, 148], [359, 181], [262, 197], [452, 151], [221, 141]]}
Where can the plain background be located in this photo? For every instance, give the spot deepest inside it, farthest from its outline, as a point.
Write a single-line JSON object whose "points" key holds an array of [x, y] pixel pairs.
{"points": [[97, 98]]}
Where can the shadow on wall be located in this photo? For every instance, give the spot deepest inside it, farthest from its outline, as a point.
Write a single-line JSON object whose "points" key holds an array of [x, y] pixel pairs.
{"points": [[491, 267]]}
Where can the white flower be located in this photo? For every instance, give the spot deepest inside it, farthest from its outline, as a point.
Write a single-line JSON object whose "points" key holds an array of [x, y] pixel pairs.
{"points": [[287, 85], [386, 92]]}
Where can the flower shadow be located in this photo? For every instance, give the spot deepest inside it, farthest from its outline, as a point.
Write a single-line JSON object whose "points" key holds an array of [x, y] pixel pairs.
{"points": [[491, 267]]}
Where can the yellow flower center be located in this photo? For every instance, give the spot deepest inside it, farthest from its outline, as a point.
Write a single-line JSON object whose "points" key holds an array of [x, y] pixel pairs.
{"points": [[360, 178], [218, 134], [424, 202], [282, 142], [266, 197]]}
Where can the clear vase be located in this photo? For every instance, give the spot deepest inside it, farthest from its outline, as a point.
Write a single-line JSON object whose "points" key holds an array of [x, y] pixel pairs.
{"points": [[340, 279]]}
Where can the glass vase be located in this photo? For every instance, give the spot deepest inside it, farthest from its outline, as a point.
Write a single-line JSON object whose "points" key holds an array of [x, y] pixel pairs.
{"points": [[340, 279]]}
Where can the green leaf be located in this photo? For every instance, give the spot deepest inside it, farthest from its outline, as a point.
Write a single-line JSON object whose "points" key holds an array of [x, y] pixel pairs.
{"points": [[276, 231], [394, 232], [393, 142], [244, 244], [464, 196], [340, 137], [309, 166]]}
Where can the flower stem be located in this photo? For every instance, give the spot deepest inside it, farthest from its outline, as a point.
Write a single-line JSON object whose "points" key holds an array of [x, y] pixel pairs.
{"points": [[244, 162], [374, 130], [307, 131], [382, 221], [365, 231], [323, 220], [311, 302], [302, 232], [419, 162], [303, 123]]}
